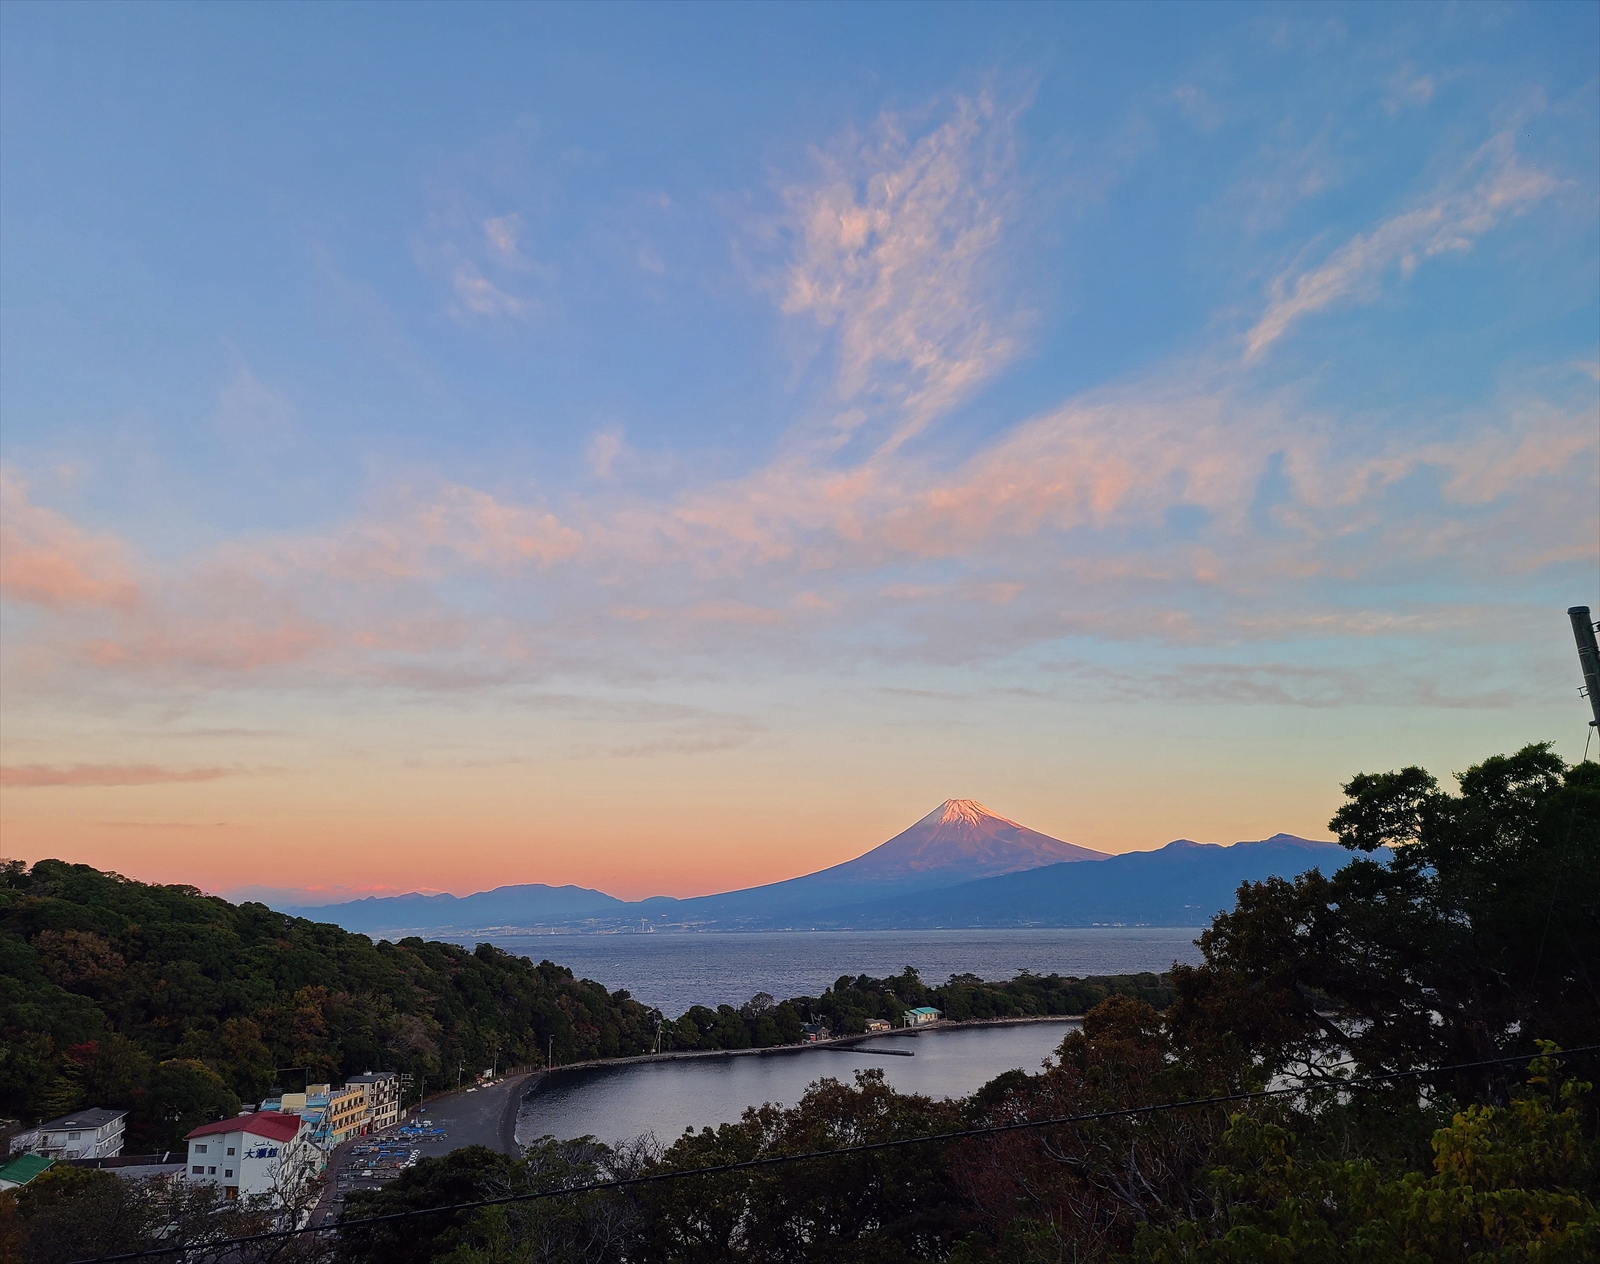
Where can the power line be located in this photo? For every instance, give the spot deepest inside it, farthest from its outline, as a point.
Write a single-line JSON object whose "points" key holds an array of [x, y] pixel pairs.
{"points": [[1364, 1084]]}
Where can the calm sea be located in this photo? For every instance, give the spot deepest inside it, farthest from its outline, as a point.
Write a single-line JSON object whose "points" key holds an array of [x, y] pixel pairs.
{"points": [[674, 971], [619, 1103]]}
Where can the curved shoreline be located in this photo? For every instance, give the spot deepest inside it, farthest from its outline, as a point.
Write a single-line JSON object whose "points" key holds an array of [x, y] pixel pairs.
{"points": [[516, 1094], [534, 1080]]}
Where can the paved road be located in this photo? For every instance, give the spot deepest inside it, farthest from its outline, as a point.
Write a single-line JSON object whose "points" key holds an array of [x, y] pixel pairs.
{"points": [[484, 1116], [328, 1202]]}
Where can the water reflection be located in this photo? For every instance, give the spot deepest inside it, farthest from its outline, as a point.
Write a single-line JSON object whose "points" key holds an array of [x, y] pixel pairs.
{"points": [[616, 1103]]}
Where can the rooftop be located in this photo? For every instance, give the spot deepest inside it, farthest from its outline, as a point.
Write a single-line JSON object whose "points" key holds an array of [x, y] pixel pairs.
{"points": [[264, 1123], [23, 1169], [95, 1117]]}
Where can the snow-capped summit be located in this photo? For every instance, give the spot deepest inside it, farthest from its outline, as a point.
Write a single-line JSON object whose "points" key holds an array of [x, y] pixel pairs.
{"points": [[968, 810], [960, 840]]}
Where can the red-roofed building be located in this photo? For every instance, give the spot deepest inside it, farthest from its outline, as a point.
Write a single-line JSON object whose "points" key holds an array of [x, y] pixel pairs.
{"points": [[258, 1153]]}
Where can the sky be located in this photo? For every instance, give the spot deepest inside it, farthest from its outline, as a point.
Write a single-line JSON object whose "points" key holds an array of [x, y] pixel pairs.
{"points": [[672, 448]]}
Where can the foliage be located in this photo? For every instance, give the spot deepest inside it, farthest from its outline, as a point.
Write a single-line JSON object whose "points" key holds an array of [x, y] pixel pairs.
{"points": [[73, 1213], [897, 1204], [846, 1007], [1479, 933], [1510, 1183], [1472, 941], [177, 1006], [591, 1228]]}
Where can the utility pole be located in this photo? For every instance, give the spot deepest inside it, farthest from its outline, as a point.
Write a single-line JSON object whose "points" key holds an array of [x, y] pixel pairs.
{"points": [[1583, 629]]}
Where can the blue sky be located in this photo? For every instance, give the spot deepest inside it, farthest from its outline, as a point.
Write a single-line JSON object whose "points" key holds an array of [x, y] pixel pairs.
{"points": [[664, 447]]}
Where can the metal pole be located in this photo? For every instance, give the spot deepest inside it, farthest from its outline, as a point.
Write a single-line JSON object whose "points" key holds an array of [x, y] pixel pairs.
{"points": [[1588, 657]]}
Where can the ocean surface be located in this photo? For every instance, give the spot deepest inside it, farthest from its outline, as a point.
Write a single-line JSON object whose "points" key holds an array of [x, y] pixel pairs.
{"points": [[671, 972], [620, 1103]]}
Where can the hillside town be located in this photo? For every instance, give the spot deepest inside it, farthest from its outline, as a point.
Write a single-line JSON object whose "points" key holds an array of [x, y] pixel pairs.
{"points": [[273, 1153]]}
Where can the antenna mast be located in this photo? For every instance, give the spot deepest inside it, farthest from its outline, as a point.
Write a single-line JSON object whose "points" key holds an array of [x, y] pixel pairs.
{"points": [[1583, 628]]}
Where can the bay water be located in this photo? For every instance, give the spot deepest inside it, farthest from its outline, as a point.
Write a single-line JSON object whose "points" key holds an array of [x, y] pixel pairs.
{"points": [[674, 971], [663, 1098]]}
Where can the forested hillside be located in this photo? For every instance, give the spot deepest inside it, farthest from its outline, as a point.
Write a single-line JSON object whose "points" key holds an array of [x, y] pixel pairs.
{"points": [[1477, 939], [1474, 940], [178, 1005], [846, 1007]]}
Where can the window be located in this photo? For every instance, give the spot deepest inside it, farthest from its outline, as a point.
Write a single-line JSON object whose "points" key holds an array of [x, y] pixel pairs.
{"points": [[230, 1152], [229, 1172], [199, 1149], [73, 1136], [197, 1170], [211, 1171]]}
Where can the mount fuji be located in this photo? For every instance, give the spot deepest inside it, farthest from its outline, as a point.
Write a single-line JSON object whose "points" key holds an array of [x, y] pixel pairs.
{"points": [[959, 841], [960, 866]]}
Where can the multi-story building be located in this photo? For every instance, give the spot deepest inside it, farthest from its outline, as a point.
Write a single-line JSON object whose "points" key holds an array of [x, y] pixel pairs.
{"points": [[922, 1014], [346, 1113], [383, 1098], [264, 1152], [95, 1133]]}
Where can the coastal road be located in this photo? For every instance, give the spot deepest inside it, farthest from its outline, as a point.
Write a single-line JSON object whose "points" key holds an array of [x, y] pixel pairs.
{"points": [[484, 1116]]}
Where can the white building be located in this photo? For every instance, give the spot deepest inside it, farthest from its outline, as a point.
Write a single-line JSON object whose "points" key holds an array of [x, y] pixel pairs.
{"points": [[265, 1152], [95, 1133], [383, 1098]]}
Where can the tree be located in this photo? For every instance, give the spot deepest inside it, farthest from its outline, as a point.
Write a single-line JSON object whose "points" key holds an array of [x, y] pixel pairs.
{"points": [[1470, 926], [72, 1213], [183, 1094], [1509, 1184]]}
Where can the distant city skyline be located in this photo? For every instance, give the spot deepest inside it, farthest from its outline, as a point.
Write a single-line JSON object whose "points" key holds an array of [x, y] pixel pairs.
{"points": [[668, 449]]}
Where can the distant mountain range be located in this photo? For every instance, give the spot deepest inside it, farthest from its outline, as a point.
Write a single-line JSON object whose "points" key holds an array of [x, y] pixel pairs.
{"points": [[960, 866], [1182, 884]]}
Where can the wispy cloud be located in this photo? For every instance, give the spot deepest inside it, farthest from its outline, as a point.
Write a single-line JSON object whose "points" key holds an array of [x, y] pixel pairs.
{"points": [[1449, 220], [476, 295], [1187, 504], [897, 255], [1284, 684], [250, 412], [168, 827], [502, 232], [25, 776], [481, 260], [47, 560]]}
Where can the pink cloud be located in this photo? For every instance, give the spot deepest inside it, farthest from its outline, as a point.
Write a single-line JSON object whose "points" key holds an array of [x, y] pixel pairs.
{"points": [[40, 775], [46, 560], [1449, 221], [898, 256]]}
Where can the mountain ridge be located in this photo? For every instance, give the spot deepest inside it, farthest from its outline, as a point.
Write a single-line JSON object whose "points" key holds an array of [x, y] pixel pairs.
{"points": [[1184, 883], [960, 840], [961, 864]]}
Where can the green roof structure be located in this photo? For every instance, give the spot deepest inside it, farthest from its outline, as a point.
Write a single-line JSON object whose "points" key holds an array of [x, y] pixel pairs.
{"points": [[23, 1169]]}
